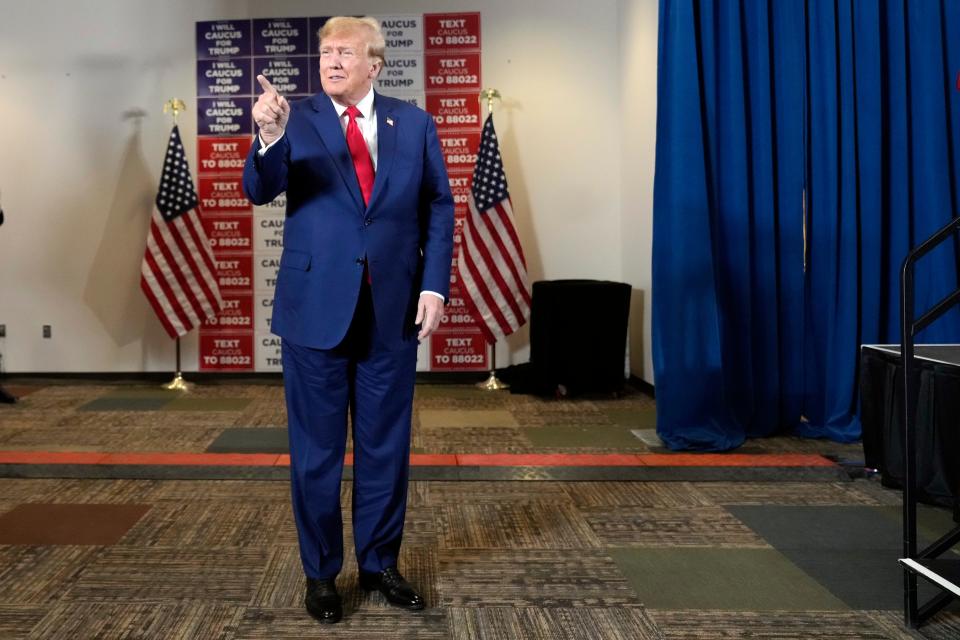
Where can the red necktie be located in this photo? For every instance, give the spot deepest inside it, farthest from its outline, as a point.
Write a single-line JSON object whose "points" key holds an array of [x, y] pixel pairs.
{"points": [[362, 163]]}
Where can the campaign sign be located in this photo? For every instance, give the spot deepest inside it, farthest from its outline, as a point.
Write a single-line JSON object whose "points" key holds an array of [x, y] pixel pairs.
{"points": [[229, 233], [462, 350], [235, 272], [222, 193], [262, 311], [454, 110], [459, 71], [313, 73], [401, 72], [237, 314], [223, 155], [276, 207], [265, 269], [416, 99], [268, 233], [223, 38], [460, 149], [314, 26], [289, 76], [456, 315], [224, 116], [225, 78], [280, 36], [460, 184], [268, 352], [445, 31], [402, 33], [223, 351], [458, 222]]}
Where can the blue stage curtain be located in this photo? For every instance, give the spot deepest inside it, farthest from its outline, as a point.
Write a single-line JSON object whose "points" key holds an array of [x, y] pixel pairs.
{"points": [[802, 148]]}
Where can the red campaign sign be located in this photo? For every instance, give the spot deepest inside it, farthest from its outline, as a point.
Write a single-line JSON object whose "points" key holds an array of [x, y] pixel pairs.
{"points": [[223, 193], [463, 350], [460, 149], [451, 31], [454, 110], [460, 187], [453, 71], [235, 272], [226, 352], [456, 316], [237, 313], [228, 233], [222, 155]]}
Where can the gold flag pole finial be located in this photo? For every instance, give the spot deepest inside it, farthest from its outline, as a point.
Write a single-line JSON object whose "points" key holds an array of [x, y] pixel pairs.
{"points": [[489, 95], [174, 106]]}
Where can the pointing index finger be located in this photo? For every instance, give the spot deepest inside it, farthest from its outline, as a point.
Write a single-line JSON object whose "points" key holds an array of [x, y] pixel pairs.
{"points": [[265, 84]]}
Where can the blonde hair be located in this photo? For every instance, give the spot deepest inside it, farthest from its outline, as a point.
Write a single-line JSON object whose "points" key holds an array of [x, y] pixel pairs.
{"points": [[346, 24]]}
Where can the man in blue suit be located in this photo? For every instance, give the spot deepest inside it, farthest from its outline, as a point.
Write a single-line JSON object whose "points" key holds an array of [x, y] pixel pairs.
{"points": [[368, 241]]}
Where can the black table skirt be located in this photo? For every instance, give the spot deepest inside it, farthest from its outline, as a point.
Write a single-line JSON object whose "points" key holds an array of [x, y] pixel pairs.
{"points": [[937, 423]]}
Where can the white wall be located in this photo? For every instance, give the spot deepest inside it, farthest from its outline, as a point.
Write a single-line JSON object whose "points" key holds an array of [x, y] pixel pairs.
{"points": [[79, 168]]}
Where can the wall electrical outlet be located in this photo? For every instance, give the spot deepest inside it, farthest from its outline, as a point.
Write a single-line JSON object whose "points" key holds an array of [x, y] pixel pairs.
{"points": [[47, 331]]}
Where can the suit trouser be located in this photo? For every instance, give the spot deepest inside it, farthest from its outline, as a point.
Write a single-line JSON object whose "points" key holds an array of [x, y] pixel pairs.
{"points": [[377, 385]]}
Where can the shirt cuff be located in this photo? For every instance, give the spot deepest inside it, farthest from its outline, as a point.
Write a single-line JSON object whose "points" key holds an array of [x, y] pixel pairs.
{"points": [[266, 147], [433, 293]]}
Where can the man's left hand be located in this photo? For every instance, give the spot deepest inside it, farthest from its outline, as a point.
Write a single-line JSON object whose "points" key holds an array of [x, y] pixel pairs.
{"points": [[429, 312]]}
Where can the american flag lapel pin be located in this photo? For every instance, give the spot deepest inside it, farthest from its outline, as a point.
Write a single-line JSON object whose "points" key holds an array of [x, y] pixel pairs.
{"points": [[389, 121]]}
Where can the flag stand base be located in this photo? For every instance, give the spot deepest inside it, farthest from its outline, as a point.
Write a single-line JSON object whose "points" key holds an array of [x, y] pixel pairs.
{"points": [[493, 383], [178, 384]]}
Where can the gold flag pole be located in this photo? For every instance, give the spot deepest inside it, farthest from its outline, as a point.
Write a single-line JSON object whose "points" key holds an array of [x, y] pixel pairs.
{"points": [[493, 383], [176, 106]]}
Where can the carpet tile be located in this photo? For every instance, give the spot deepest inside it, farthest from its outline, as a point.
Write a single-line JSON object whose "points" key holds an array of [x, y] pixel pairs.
{"points": [[213, 525], [768, 625], [162, 574], [185, 621], [466, 418], [69, 524], [514, 526], [16, 622], [39, 575], [783, 493], [639, 494], [384, 624], [676, 527], [532, 578], [558, 623], [728, 579]]}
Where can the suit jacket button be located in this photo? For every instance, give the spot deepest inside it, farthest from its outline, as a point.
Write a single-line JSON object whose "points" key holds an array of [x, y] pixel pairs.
{"points": [[360, 261], [368, 222]]}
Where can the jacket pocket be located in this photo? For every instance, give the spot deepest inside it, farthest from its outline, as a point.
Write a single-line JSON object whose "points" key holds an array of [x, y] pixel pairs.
{"points": [[293, 259]]}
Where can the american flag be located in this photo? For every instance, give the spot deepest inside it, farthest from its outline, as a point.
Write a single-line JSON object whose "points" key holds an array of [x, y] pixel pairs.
{"points": [[491, 264], [178, 274]]}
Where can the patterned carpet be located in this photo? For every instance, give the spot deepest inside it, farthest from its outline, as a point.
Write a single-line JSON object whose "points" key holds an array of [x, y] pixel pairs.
{"points": [[504, 560]]}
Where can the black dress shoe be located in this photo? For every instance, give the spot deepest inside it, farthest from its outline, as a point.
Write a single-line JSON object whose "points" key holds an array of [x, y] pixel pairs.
{"points": [[394, 587], [323, 601]]}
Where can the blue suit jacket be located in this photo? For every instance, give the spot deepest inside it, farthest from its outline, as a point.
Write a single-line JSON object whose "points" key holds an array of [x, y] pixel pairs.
{"points": [[405, 235]]}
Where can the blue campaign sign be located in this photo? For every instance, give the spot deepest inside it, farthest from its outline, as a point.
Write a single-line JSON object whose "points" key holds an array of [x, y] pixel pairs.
{"points": [[224, 78], [280, 37], [223, 38], [315, 24], [290, 76], [224, 116]]}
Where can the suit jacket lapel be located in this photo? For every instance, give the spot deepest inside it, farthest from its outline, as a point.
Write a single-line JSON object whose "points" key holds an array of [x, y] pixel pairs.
{"points": [[386, 143], [327, 124]]}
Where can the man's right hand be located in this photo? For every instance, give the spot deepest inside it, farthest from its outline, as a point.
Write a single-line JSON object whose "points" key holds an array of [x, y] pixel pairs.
{"points": [[271, 112]]}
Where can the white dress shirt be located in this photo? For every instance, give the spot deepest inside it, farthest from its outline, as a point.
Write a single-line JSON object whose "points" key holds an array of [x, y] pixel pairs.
{"points": [[368, 128]]}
